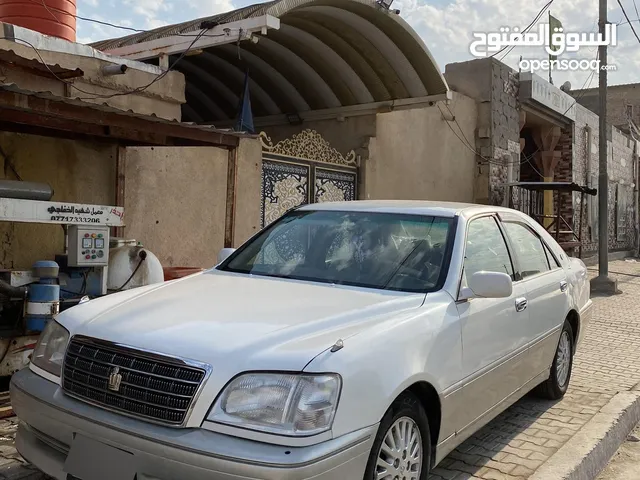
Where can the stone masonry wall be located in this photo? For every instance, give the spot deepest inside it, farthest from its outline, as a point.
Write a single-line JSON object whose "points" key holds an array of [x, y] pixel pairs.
{"points": [[495, 87], [505, 121], [623, 228]]}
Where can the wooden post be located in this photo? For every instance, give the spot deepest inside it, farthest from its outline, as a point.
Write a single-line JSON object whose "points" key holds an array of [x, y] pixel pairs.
{"points": [[232, 179]]}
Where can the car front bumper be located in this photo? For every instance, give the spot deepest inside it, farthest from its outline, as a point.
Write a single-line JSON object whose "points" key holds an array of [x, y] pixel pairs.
{"points": [[49, 421]]}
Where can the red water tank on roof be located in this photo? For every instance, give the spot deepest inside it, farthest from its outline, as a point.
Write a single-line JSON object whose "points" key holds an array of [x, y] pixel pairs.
{"points": [[51, 17]]}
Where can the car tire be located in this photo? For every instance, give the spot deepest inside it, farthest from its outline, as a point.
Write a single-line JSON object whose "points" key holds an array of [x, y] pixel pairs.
{"points": [[405, 414], [556, 385]]}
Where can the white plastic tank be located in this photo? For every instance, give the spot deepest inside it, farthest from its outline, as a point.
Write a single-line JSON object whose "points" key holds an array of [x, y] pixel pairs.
{"points": [[132, 266]]}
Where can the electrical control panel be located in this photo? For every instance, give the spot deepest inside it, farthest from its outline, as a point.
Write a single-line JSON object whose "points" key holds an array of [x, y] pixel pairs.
{"points": [[88, 246]]}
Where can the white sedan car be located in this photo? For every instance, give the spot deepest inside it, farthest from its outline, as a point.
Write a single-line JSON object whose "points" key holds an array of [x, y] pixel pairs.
{"points": [[346, 341]]}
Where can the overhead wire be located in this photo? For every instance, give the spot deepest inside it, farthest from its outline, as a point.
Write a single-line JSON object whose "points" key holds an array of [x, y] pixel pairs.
{"points": [[50, 9], [525, 30], [628, 20], [527, 159], [94, 96]]}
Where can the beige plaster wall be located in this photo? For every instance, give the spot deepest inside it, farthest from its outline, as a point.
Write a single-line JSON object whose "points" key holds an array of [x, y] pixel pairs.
{"points": [[248, 199], [416, 156], [175, 202], [79, 172]]}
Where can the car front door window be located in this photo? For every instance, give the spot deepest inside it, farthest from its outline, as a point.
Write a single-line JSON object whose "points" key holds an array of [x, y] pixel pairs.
{"points": [[486, 249]]}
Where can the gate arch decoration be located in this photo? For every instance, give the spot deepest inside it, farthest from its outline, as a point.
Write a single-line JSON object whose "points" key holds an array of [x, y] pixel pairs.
{"points": [[304, 169]]}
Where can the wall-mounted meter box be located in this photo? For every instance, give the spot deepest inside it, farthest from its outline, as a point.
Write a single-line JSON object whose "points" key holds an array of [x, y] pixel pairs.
{"points": [[88, 246]]}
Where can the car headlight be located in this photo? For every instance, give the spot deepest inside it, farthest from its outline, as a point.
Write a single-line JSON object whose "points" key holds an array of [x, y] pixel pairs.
{"points": [[49, 352], [284, 404]]}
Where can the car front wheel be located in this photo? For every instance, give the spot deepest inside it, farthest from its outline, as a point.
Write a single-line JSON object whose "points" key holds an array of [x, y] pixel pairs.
{"points": [[402, 448], [556, 386]]}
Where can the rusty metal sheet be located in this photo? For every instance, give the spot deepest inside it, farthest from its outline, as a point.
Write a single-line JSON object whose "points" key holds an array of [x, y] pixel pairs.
{"points": [[31, 112], [37, 67]]}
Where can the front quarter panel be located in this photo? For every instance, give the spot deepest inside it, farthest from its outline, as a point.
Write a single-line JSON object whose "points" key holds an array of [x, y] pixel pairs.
{"points": [[380, 363]]}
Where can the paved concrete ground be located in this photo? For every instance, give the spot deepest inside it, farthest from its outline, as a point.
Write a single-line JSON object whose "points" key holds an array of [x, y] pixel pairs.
{"points": [[626, 463], [527, 436]]}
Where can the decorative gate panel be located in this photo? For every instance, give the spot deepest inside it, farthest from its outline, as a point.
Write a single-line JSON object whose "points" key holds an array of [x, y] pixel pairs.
{"points": [[334, 185], [284, 186], [304, 169]]}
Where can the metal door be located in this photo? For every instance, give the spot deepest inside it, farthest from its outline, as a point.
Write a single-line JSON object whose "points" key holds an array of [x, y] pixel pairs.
{"points": [[304, 169]]}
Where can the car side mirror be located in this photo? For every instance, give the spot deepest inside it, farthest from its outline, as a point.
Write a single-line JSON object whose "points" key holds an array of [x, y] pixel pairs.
{"points": [[488, 285], [224, 254]]}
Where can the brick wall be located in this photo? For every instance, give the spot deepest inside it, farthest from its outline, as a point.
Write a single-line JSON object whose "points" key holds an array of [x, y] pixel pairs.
{"points": [[564, 173]]}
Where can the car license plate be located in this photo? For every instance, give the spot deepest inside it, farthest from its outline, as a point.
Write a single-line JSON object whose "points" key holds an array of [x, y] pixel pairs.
{"points": [[92, 460]]}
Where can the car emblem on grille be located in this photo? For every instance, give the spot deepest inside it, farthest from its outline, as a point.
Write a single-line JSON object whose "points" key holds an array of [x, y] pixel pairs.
{"points": [[114, 379]]}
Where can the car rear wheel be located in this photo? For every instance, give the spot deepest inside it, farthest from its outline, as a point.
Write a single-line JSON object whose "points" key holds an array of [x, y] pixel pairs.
{"points": [[402, 448], [556, 386]]}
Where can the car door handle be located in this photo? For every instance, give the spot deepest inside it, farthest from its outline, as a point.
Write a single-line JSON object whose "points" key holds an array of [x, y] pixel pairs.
{"points": [[521, 304], [563, 286]]}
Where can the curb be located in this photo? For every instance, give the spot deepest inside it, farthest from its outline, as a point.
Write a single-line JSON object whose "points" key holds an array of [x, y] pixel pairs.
{"points": [[588, 452]]}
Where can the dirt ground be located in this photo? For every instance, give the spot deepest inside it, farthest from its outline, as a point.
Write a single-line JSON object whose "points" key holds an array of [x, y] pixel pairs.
{"points": [[625, 465]]}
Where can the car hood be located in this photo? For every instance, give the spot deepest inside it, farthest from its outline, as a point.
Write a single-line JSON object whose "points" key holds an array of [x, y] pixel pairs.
{"points": [[244, 322]]}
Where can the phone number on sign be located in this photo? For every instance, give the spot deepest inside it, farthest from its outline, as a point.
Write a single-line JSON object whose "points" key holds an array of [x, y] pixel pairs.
{"points": [[55, 218]]}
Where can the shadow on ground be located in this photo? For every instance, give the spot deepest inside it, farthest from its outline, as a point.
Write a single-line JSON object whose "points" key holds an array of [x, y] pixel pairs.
{"points": [[495, 439]]}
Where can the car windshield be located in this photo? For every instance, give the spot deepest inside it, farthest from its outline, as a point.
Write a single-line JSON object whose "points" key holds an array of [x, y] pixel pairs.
{"points": [[375, 250]]}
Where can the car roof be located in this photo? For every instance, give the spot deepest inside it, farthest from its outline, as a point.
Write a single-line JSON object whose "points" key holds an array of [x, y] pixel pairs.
{"points": [[415, 207]]}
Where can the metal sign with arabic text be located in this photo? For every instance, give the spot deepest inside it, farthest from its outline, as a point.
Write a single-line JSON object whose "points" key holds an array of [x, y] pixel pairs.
{"points": [[30, 211]]}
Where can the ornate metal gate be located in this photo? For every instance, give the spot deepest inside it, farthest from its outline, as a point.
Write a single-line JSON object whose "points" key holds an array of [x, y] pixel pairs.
{"points": [[304, 169]]}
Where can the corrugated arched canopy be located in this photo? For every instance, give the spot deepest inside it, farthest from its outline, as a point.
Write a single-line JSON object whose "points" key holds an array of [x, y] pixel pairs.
{"points": [[326, 54]]}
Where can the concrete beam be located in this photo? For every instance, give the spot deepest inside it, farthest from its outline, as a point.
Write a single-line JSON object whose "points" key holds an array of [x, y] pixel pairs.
{"points": [[218, 35]]}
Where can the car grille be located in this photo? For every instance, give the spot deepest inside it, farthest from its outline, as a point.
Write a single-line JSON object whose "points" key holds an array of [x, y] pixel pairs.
{"points": [[153, 387]]}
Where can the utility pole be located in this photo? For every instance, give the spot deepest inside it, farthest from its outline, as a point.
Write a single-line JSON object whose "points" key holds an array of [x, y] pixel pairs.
{"points": [[602, 283]]}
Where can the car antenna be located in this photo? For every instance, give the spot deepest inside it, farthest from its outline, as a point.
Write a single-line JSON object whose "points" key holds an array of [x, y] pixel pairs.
{"points": [[339, 345]]}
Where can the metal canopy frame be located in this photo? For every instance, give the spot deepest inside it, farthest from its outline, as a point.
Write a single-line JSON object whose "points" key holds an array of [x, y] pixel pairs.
{"points": [[303, 56], [529, 198]]}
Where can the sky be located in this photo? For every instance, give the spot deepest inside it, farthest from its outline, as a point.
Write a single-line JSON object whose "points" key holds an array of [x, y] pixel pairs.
{"points": [[446, 26]]}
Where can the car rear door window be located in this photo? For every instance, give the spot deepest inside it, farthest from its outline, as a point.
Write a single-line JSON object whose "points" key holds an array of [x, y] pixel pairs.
{"points": [[529, 249], [552, 259]]}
